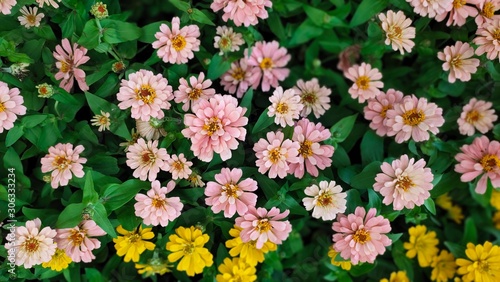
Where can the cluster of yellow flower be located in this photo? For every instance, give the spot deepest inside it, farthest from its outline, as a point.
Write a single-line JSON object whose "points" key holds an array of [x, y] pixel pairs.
{"points": [[454, 211]]}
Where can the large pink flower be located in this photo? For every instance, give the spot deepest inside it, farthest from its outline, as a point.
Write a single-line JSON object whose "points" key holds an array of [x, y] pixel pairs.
{"points": [[457, 59], [146, 159], [237, 79], [242, 11], [68, 59], [155, 208], [176, 45], [271, 60], [276, 154], [64, 162], [215, 126], [376, 110], [230, 194], [482, 157], [77, 241], [477, 114], [459, 13], [6, 6], [361, 236], [192, 93], [314, 97], [431, 8], [366, 82], [11, 105], [488, 39]]}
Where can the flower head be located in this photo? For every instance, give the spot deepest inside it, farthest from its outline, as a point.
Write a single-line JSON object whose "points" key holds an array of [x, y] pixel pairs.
{"points": [[102, 120], [477, 114], [315, 99], [398, 32], [443, 267], [422, 244], [239, 77], [147, 159], [483, 263], [227, 40], [247, 250], [285, 106], [45, 90], [345, 265], [488, 39], [59, 261], [457, 60], [150, 130], [179, 166], [99, 10], [6, 6], [52, 3], [176, 45], [195, 180], [326, 200], [271, 60], [29, 17], [366, 82], [64, 161], [155, 208], [236, 269], [486, 8], [133, 243], [69, 58], [242, 12], [192, 93], [431, 8], [77, 241], [275, 154], [458, 13], [376, 110], [399, 276], [11, 105], [153, 266]]}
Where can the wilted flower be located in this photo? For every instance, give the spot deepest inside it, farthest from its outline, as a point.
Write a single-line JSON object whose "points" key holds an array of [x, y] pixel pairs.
{"points": [[348, 57]]}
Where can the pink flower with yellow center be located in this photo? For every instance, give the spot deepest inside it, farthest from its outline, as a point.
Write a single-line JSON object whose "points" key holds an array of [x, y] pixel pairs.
{"points": [[179, 166], [376, 110], [192, 93], [239, 77], [285, 106], [226, 40], [275, 154], [176, 45], [11, 105], [366, 80], [477, 114], [64, 161], [30, 17], [147, 159], [431, 8], [77, 241], [458, 13], [271, 61], [155, 208], [486, 8], [242, 12], [315, 98], [398, 32], [488, 39], [457, 60], [69, 58]]}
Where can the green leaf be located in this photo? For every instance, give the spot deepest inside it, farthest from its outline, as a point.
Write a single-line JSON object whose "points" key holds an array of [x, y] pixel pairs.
{"points": [[148, 32], [305, 32], [366, 10], [341, 130], [470, 232], [199, 16], [13, 135], [372, 147], [430, 206], [458, 250], [94, 275], [104, 164], [65, 98], [33, 120], [101, 218], [218, 66], [263, 122], [46, 32], [317, 16], [366, 178], [274, 23], [116, 195], [354, 200], [246, 102], [374, 200], [181, 5], [118, 31], [71, 216], [90, 36], [89, 194], [358, 270], [268, 186]]}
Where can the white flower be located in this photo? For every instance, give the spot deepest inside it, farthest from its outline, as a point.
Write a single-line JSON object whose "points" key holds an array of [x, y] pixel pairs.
{"points": [[326, 201]]}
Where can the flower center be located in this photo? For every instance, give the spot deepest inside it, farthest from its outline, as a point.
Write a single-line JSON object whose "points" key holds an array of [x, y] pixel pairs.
{"points": [[306, 149], [31, 245], [282, 108], [2, 107], [275, 155], [195, 94], [488, 10], [148, 157], [383, 113], [31, 19], [238, 74], [472, 116], [76, 237], [404, 183], [266, 64], [158, 202], [482, 266], [456, 62], [179, 42], [61, 162], [309, 98], [263, 225], [496, 34], [101, 8], [413, 117], [458, 3], [363, 82], [212, 126], [189, 249], [230, 190], [490, 162], [361, 236], [103, 120], [178, 165], [134, 237], [225, 43], [64, 66], [394, 32], [146, 93], [324, 199]]}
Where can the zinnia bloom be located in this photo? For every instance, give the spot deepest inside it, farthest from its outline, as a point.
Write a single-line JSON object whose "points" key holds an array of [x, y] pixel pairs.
{"points": [[326, 200], [195, 180], [133, 243], [187, 243], [59, 261], [102, 120], [443, 267], [227, 40], [150, 130], [459, 13], [197, 89], [263, 226], [376, 110], [314, 97], [398, 32], [11, 105], [431, 8], [247, 250], [215, 126], [6, 6], [285, 106], [176, 45], [69, 58], [239, 77], [345, 265], [488, 39], [52, 3], [242, 12], [64, 162], [482, 157], [147, 159], [361, 236], [29, 17], [422, 244], [179, 166], [236, 269], [77, 241], [399, 276], [271, 60], [456, 60], [153, 266], [487, 9], [483, 263], [275, 154], [366, 82], [477, 114], [155, 208]]}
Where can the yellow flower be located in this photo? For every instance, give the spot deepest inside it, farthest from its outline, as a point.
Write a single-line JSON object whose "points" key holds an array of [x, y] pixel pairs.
{"points": [[444, 267], [455, 213], [153, 266], [399, 276], [422, 244], [132, 244], [188, 244], [496, 219], [60, 260], [444, 201], [483, 263], [495, 199], [247, 251], [236, 269], [345, 265]]}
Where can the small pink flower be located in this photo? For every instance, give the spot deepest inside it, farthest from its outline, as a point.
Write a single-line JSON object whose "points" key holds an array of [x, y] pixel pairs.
{"points": [[215, 126], [146, 159], [6, 6], [487, 9], [275, 154], [227, 40], [77, 241], [230, 194], [488, 39], [64, 162], [348, 57], [314, 97], [237, 79], [264, 226], [366, 82], [30, 17], [312, 154], [361, 236], [398, 32], [11, 105], [192, 93], [176, 45], [147, 94], [459, 13], [477, 114], [49, 3], [68, 59], [179, 166], [271, 60], [285, 106], [456, 60], [404, 183], [242, 12], [377, 108], [431, 8], [155, 208], [414, 118], [326, 200], [482, 157]]}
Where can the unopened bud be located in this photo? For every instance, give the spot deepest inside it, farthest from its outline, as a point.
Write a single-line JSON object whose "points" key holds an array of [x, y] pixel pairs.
{"points": [[99, 10]]}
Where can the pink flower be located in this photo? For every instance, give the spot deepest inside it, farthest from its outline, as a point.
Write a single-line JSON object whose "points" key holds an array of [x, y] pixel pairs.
{"points": [[264, 226], [192, 93], [146, 93], [227, 40], [477, 114], [326, 201], [285, 106], [52, 3], [230, 194], [398, 31], [311, 153], [146, 159], [30, 17], [404, 183], [64, 162], [487, 9], [314, 97], [377, 108], [456, 60], [155, 208], [482, 157], [241, 11], [488, 39], [239, 77], [360, 236], [366, 82], [275, 154], [459, 13], [215, 126], [271, 60], [11, 105], [431, 8], [6, 6], [150, 130], [68, 59], [348, 57], [77, 241], [176, 45], [414, 118], [179, 166]]}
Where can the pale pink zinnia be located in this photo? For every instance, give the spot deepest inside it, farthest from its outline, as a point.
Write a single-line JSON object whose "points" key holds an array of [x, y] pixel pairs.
{"points": [[398, 32], [52, 3], [6, 6], [77, 241], [477, 114], [226, 40], [32, 244], [29, 17], [366, 82], [488, 39], [271, 60], [64, 162], [457, 60], [404, 183], [285, 106], [326, 200], [482, 157], [179, 166], [194, 91], [229, 194], [361, 236], [459, 13], [69, 58], [275, 154], [487, 9], [215, 126], [315, 98], [242, 12], [312, 155], [155, 208], [376, 110], [147, 159], [414, 118], [262, 226], [176, 45], [431, 8], [239, 77], [11, 106]]}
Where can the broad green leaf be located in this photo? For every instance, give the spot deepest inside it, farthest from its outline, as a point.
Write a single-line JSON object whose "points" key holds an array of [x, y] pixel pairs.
{"points": [[246, 102], [101, 218], [118, 31], [366, 10], [116, 195], [305, 32], [276, 26], [263, 122], [32, 120], [470, 232], [374, 200], [71, 216], [199, 16], [430, 206], [341, 130], [45, 31], [90, 36], [366, 178], [458, 250], [148, 32], [372, 147], [218, 66], [89, 194], [180, 4], [107, 165], [268, 186], [13, 135]]}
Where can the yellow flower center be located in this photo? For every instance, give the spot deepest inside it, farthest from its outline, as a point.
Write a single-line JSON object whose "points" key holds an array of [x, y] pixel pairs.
{"points": [[309, 98], [472, 116], [231, 190], [413, 117], [363, 82], [275, 155], [282, 108], [61, 162], [324, 199], [178, 165], [148, 157], [146, 93], [263, 226], [456, 62], [212, 126], [482, 266], [179, 42], [488, 10], [404, 183], [158, 202], [225, 43], [76, 237], [103, 120], [43, 90], [238, 74], [394, 32], [496, 34], [2, 107], [305, 149], [458, 3], [134, 237], [361, 236], [31, 19], [490, 162], [195, 94], [383, 113], [31, 245], [64, 66], [188, 249], [266, 63]]}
